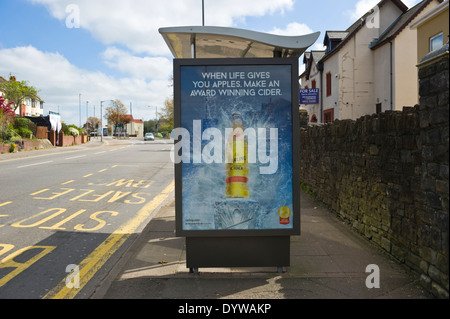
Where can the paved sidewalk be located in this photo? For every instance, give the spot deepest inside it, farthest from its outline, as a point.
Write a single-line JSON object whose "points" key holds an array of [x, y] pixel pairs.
{"points": [[328, 261]]}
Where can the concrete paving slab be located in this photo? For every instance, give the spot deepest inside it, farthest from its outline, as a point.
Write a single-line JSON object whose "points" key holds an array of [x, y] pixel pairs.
{"points": [[328, 261]]}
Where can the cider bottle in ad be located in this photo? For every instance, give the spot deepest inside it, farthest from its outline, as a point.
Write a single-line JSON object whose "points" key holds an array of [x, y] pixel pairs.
{"points": [[237, 168]]}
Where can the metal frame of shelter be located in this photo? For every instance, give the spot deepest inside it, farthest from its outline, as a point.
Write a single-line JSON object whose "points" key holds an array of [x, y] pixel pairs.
{"points": [[225, 45], [222, 42]]}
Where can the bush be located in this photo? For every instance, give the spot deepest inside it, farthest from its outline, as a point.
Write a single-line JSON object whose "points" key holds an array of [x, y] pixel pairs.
{"points": [[21, 122], [73, 131], [23, 132]]}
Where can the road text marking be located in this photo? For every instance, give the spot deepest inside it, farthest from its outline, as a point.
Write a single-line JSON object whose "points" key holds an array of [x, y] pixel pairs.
{"points": [[92, 263]]}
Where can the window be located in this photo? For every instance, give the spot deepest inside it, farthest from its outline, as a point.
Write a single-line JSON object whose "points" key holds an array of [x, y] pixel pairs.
{"points": [[328, 116], [328, 84], [436, 42]]}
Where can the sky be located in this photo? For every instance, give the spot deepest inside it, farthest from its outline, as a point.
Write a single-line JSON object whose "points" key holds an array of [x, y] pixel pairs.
{"points": [[81, 52]]}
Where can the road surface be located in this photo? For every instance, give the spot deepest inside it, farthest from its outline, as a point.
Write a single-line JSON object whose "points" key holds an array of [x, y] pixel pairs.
{"points": [[67, 217]]}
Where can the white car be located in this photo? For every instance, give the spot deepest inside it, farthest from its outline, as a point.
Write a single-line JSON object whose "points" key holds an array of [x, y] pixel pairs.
{"points": [[149, 137]]}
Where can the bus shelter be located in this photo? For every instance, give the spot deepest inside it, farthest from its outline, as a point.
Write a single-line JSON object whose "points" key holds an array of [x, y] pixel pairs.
{"points": [[236, 151]]}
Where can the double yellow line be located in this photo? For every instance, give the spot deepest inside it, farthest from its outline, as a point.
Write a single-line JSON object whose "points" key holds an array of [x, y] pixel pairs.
{"points": [[92, 263]]}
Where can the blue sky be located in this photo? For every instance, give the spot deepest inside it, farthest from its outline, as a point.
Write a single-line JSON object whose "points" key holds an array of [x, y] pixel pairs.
{"points": [[117, 52]]}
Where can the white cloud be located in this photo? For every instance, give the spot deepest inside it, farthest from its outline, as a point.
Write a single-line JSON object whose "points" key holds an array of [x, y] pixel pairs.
{"points": [[293, 29], [138, 67], [133, 46], [59, 83], [135, 23], [363, 6]]}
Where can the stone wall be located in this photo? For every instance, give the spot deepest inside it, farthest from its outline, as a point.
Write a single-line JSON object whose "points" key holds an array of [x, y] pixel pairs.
{"points": [[387, 175]]}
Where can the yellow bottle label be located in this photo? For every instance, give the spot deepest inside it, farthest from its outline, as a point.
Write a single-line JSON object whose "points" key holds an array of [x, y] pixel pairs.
{"points": [[237, 170]]}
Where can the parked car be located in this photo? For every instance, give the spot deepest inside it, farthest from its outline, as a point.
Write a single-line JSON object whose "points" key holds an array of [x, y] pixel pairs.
{"points": [[149, 137]]}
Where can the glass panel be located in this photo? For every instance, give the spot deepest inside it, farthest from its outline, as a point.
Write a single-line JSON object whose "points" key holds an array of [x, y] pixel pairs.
{"points": [[436, 42]]}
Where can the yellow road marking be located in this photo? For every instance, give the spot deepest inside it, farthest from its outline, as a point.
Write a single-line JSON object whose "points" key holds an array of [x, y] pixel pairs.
{"points": [[88, 175], [38, 192], [102, 170], [19, 267], [68, 182], [92, 263], [5, 203]]}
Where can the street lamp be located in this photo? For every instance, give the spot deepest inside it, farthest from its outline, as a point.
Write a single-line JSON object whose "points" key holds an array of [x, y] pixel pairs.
{"points": [[79, 106], [156, 117]]}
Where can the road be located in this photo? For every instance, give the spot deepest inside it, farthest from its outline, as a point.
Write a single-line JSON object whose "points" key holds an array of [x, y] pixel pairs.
{"points": [[67, 217]]}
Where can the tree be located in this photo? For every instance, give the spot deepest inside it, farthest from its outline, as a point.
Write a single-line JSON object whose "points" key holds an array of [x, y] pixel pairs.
{"points": [[166, 115], [150, 126], [117, 114], [6, 119], [17, 92], [92, 124]]}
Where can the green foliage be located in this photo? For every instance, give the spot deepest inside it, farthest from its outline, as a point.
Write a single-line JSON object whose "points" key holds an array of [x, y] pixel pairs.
{"points": [[65, 129], [73, 131], [17, 91], [21, 122], [6, 117], [307, 189], [24, 127], [23, 132]]}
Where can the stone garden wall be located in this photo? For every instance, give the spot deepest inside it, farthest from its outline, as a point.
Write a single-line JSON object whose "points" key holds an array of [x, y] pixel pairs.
{"points": [[387, 175]]}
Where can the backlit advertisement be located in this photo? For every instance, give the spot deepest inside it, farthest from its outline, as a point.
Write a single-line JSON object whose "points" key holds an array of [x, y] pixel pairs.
{"points": [[234, 145]]}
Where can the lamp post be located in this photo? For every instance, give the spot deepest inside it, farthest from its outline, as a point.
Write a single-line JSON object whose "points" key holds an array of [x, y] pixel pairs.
{"points": [[79, 106]]}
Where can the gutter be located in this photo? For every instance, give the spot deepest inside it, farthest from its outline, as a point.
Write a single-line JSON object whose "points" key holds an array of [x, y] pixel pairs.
{"points": [[320, 68], [391, 75]]}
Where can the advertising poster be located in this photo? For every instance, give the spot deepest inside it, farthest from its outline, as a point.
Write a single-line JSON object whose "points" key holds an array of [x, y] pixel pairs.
{"points": [[235, 147]]}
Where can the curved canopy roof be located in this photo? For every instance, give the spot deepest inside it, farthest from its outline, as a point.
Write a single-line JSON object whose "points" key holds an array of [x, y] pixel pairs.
{"points": [[221, 42]]}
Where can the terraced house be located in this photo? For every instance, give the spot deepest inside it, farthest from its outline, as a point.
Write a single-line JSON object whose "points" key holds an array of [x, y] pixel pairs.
{"points": [[370, 67]]}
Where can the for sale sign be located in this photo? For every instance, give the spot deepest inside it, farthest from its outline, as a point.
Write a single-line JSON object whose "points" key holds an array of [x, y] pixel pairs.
{"points": [[309, 96]]}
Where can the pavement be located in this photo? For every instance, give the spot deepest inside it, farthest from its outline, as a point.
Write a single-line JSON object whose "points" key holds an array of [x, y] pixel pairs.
{"points": [[327, 261]]}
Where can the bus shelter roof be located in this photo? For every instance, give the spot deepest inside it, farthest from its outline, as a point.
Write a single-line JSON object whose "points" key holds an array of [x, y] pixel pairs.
{"points": [[223, 42]]}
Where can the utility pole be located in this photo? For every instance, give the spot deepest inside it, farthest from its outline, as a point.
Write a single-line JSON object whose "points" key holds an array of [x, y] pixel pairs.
{"points": [[87, 112], [131, 113], [203, 12], [79, 106], [101, 121]]}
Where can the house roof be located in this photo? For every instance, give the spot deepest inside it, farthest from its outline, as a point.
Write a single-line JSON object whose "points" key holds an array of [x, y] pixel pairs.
{"points": [[358, 24], [130, 118], [400, 24], [311, 56], [334, 35]]}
